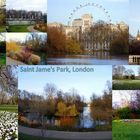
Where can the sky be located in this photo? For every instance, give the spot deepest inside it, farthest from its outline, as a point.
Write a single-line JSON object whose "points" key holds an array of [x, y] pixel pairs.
{"points": [[2, 36], [36, 5], [134, 14], [86, 83], [60, 10], [19, 36], [133, 67], [118, 96]]}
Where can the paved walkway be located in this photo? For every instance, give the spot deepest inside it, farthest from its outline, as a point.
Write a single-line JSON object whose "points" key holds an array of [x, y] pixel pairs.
{"points": [[10, 61], [31, 29], [104, 135]]}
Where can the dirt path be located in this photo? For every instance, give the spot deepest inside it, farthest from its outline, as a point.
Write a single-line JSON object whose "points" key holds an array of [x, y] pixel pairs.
{"points": [[10, 61], [31, 29], [104, 135]]}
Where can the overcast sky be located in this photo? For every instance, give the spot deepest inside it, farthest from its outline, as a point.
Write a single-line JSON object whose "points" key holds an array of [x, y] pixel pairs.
{"points": [[118, 96], [19, 36], [36, 5]]}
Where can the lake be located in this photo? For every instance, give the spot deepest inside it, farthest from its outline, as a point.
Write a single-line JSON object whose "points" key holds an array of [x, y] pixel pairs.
{"points": [[83, 121], [98, 58]]}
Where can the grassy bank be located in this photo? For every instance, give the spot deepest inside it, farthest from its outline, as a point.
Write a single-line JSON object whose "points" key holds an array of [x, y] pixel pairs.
{"points": [[2, 29], [2, 58], [126, 84], [9, 108], [18, 28], [29, 137], [126, 130]]}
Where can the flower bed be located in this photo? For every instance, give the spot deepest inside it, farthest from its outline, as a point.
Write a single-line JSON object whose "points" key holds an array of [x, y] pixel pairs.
{"points": [[22, 54], [8, 126]]}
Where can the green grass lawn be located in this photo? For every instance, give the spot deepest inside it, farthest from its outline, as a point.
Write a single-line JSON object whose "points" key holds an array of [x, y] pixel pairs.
{"points": [[29, 137], [126, 84], [18, 28], [2, 58], [125, 130], [9, 108], [2, 29]]}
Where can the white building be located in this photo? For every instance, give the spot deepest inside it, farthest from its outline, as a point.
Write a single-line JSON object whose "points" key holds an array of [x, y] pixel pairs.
{"points": [[79, 27]]}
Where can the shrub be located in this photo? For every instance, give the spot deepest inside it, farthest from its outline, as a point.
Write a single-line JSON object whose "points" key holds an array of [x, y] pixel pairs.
{"points": [[34, 59], [2, 47], [124, 113], [12, 46], [132, 76], [67, 122]]}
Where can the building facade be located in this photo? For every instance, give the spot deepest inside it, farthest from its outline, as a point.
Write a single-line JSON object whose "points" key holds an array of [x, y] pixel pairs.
{"points": [[23, 17], [90, 36]]}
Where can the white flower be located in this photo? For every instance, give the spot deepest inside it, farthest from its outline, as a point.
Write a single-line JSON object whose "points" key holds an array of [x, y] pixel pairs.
{"points": [[8, 125]]}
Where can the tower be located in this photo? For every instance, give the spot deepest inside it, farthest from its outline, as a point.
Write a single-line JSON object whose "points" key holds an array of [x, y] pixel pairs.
{"points": [[87, 21], [138, 36]]}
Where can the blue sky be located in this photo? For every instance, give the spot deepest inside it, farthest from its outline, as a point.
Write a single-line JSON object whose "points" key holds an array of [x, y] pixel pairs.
{"points": [[60, 10], [85, 83], [133, 67], [134, 24]]}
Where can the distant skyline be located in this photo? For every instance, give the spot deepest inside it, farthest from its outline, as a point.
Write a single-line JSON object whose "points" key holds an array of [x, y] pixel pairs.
{"points": [[86, 83], [36, 5], [60, 10]]}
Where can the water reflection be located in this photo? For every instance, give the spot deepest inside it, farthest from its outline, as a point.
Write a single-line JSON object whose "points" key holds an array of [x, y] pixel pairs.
{"points": [[98, 58], [83, 121]]}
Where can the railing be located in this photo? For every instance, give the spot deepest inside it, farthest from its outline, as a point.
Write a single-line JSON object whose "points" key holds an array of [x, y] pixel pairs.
{"points": [[134, 59]]}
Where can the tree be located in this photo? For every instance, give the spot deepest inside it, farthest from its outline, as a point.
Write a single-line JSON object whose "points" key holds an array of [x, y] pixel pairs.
{"points": [[129, 72], [73, 47], [66, 111], [8, 82], [139, 71], [118, 72], [61, 109], [56, 40], [50, 90], [120, 45], [101, 107]]}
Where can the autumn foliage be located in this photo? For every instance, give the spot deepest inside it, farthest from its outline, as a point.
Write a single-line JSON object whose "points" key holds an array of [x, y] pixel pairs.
{"points": [[60, 44]]}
